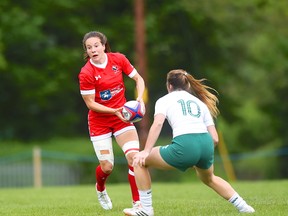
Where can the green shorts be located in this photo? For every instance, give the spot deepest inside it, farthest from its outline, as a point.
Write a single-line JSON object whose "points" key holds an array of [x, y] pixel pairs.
{"points": [[189, 150]]}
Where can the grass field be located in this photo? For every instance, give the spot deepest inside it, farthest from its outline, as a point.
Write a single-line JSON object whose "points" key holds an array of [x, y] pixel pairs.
{"points": [[267, 197]]}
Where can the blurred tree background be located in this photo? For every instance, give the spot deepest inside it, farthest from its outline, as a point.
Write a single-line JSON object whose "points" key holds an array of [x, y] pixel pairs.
{"points": [[241, 47]]}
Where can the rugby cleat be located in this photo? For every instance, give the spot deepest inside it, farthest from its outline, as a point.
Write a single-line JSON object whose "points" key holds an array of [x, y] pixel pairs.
{"points": [[247, 209], [104, 199], [138, 211]]}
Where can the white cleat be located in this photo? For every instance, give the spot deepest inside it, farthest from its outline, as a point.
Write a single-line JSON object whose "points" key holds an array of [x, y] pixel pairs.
{"points": [[247, 209], [138, 211], [104, 199], [136, 204]]}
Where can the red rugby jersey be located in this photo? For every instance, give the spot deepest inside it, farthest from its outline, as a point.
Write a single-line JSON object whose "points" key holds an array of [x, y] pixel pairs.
{"points": [[107, 83]]}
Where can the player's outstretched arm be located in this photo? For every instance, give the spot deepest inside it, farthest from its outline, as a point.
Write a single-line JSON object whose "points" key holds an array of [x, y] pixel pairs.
{"points": [[154, 132]]}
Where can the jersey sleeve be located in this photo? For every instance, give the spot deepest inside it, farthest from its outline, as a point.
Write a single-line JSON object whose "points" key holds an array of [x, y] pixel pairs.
{"points": [[86, 82], [128, 68], [160, 107], [207, 118], [133, 73]]}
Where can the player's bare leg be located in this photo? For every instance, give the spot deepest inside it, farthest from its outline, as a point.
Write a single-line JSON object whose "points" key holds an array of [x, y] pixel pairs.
{"points": [[143, 180], [224, 189]]}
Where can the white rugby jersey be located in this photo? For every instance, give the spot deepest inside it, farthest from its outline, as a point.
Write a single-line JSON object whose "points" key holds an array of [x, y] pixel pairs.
{"points": [[184, 112]]}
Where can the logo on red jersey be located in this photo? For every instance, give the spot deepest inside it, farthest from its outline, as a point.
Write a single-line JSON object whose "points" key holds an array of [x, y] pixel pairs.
{"points": [[115, 69], [105, 95], [97, 77], [108, 94]]}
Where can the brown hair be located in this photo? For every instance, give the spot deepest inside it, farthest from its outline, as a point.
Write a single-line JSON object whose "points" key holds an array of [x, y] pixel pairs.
{"points": [[180, 79], [102, 38]]}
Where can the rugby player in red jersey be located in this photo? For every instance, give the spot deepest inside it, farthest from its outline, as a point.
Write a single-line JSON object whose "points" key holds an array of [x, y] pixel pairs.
{"points": [[103, 91]]}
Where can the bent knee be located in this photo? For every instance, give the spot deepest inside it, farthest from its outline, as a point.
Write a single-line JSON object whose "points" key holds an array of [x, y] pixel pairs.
{"points": [[129, 158], [106, 167], [207, 181], [130, 149], [205, 176]]}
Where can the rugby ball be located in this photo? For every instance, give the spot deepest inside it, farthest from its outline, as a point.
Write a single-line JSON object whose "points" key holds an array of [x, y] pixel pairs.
{"points": [[132, 111]]}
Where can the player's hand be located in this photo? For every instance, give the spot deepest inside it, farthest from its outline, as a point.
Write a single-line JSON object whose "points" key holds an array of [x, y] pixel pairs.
{"points": [[118, 113], [142, 105], [139, 158]]}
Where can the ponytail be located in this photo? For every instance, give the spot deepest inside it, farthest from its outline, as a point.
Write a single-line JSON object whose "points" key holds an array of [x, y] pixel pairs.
{"points": [[180, 79]]}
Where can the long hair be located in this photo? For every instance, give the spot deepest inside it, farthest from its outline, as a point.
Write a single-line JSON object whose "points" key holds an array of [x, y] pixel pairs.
{"points": [[99, 35], [181, 80]]}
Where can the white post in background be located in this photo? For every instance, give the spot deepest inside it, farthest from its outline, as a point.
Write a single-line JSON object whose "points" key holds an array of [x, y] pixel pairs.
{"points": [[37, 167]]}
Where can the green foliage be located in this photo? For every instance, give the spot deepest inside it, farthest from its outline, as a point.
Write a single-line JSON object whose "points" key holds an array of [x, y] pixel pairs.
{"points": [[239, 46], [41, 43], [250, 67]]}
